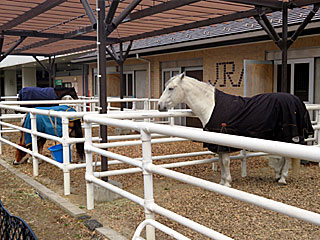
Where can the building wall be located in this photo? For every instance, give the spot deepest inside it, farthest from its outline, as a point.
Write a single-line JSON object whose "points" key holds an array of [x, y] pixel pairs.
{"points": [[10, 83], [222, 66], [29, 77]]}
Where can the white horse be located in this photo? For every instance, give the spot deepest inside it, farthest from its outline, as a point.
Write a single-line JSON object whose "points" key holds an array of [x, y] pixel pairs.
{"points": [[200, 97]]}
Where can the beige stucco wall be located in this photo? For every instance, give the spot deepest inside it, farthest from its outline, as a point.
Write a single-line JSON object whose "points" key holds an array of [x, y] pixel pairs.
{"points": [[223, 66]]}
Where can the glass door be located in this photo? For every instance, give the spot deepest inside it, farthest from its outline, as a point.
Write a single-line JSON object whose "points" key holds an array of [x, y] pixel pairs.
{"points": [[129, 86], [300, 78], [197, 73]]}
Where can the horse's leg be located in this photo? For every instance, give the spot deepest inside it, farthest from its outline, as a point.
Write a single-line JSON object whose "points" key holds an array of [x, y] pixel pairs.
{"points": [[215, 166], [223, 174], [41, 143], [225, 169], [20, 155], [278, 167], [285, 170]]}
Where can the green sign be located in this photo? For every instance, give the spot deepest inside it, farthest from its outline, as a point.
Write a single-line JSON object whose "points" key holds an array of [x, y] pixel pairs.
{"points": [[58, 82]]}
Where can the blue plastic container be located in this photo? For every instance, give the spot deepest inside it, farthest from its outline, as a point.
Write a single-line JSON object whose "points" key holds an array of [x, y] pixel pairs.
{"points": [[57, 152]]}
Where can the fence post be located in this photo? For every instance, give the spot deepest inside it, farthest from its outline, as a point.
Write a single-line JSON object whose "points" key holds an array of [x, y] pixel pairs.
{"points": [[34, 139], [148, 181], [89, 166], [0, 133], [66, 155], [317, 134], [146, 108]]}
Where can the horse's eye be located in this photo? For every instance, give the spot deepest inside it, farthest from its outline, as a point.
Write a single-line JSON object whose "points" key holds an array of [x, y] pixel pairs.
{"points": [[170, 88]]}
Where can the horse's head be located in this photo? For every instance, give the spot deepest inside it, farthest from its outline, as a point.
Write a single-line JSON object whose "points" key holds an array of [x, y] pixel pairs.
{"points": [[20, 156], [73, 93], [173, 93], [64, 91]]}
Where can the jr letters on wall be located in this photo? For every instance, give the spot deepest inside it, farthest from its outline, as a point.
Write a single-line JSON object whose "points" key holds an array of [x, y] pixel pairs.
{"points": [[227, 72]]}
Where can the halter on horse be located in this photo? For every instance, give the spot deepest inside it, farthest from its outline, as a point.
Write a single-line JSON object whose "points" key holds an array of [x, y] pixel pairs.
{"points": [[45, 125], [272, 116]]}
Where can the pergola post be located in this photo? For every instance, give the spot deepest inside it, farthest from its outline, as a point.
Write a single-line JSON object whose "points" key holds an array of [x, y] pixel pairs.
{"points": [[283, 43], [102, 75], [284, 47], [120, 59], [50, 73]]}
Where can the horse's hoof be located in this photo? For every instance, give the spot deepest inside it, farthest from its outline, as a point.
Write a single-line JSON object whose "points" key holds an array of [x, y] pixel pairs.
{"points": [[227, 184], [221, 182], [15, 163], [282, 181]]}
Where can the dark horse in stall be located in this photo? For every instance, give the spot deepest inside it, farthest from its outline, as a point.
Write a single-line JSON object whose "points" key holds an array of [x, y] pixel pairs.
{"points": [[49, 125], [49, 93]]}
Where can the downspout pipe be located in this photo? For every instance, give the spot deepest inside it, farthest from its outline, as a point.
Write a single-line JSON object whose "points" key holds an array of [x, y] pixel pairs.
{"points": [[149, 65]]}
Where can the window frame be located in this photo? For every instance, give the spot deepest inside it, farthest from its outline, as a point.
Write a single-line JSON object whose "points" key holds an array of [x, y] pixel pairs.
{"points": [[311, 76]]}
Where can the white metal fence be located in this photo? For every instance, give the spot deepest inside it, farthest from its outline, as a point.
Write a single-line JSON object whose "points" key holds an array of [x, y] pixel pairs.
{"points": [[82, 106], [146, 165], [154, 133]]}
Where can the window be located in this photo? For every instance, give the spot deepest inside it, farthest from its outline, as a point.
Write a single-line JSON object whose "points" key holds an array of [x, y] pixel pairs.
{"points": [[195, 72], [129, 85], [167, 74], [300, 78]]}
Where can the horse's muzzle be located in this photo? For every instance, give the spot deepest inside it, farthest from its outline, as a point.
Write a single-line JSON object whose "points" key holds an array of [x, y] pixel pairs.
{"points": [[162, 108]]}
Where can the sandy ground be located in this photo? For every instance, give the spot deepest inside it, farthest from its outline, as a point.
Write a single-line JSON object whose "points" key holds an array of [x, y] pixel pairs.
{"points": [[45, 219], [231, 217]]}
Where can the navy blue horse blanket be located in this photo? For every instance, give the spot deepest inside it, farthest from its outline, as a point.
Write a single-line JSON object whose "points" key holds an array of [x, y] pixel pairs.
{"points": [[44, 124], [272, 116], [37, 93]]}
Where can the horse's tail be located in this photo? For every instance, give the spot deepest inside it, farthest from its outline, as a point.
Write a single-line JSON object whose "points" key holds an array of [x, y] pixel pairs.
{"points": [[23, 120]]}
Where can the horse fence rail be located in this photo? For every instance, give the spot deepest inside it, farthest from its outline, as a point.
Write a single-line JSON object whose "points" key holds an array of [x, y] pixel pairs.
{"points": [[65, 140], [146, 165]]}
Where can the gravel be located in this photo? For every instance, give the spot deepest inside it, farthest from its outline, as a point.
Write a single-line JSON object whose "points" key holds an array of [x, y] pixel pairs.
{"points": [[231, 217]]}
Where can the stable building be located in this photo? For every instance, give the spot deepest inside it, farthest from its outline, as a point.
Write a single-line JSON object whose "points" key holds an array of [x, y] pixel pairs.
{"points": [[237, 57]]}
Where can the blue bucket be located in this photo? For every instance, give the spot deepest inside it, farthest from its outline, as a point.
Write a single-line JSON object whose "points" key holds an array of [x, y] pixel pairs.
{"points": [[57, 152]]}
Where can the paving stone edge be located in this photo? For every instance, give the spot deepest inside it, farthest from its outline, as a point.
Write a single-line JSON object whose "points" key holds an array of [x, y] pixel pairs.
{"points": [[64, 204]]}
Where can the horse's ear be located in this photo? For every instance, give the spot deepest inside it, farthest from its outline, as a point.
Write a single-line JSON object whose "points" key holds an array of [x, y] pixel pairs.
{"points": [[182, 75]]}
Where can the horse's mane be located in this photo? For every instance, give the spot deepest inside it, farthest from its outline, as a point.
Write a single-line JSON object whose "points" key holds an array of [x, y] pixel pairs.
{"points": [[202, 82]]}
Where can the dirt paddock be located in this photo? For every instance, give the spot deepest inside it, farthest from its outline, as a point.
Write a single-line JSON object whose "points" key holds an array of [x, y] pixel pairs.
{"points": [[231, 217]]}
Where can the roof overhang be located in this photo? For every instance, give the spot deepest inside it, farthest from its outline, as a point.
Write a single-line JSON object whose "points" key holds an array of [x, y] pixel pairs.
{"points": [[55, 27]]}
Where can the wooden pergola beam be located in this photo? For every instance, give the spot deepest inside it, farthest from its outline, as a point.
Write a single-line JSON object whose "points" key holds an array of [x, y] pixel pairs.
{"points": [[166, 6], [36, 34], [8, 52], [41, 8]]}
